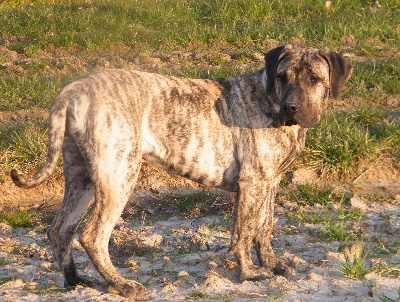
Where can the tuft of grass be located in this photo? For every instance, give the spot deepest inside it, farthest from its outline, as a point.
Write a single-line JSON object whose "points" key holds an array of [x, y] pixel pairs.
{"points": [[325, 215], [23, 144], [388, 271], [384, 250], [199, 295], [22, 219], [310, 194], [367, 116], [305, 216], [335, 231], [338, 144], [354, 268], [3, 262]]}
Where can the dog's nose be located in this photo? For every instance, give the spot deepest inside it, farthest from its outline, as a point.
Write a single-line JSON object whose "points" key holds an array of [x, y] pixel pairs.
{"points": [[292, 107]]}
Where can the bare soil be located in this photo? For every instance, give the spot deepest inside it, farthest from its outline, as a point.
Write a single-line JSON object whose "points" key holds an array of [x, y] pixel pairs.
{"points": [[181, 258]]}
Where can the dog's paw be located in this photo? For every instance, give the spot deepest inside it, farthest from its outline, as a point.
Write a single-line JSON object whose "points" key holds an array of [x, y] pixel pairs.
{"points": [[128, 289], [255, 273]]}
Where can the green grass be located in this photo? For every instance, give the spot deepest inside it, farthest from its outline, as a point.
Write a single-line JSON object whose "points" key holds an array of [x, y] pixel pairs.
{"points": [[22, 219], [23, 144], [47, 43], [322, 216], [343, 139], [337, 232], [168, 24], [310, 194], [374, 79], [30, 90], [354, 268]]}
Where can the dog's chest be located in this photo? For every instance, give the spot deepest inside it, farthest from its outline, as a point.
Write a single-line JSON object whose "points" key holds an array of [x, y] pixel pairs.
{"points": [[215, 156]]}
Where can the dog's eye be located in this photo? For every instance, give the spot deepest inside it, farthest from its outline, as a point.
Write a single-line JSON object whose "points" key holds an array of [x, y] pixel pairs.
{"points": [[313, 79], [281, 77]]}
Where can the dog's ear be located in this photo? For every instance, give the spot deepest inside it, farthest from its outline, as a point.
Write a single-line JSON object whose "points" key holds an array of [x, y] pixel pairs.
{"points": [[339, 71], [272, 59]]}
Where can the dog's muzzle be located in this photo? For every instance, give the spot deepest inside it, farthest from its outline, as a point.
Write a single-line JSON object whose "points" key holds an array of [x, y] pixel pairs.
{"points": [[288, 112]]}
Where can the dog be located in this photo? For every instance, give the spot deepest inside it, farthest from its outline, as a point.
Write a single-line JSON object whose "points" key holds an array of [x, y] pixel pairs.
{"points": [[238, 134]]}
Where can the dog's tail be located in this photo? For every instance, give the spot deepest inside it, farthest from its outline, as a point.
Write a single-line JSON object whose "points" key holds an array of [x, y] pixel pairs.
{"points": [[56, 130]]}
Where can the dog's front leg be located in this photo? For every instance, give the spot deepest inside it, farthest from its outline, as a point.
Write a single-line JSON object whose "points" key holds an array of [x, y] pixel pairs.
{"points": [[253, 225]]}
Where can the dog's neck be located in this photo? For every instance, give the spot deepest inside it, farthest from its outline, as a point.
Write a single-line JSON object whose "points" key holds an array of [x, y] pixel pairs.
{"points": [[256, 110]]}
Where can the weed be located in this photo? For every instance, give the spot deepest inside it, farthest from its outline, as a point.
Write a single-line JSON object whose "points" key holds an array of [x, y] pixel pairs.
{"points": [[22, 219], [307, 216], [384, 269], [354, 268], [46, 290], [352, 214], [4, 261], [310, 194], [326, 216], [383, 249], [337, 231]]}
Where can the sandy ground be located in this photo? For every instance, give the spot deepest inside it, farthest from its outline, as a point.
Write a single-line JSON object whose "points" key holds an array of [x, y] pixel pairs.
{"points": [[180, 258]]}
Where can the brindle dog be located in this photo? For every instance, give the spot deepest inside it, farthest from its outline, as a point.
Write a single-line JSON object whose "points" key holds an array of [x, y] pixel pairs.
{"points": [[238, 134]]}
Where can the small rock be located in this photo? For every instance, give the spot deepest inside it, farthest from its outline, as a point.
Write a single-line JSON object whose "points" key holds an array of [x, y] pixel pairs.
{"points": [[31, 285], [230, 264], [328, 4], [216, 281], [169, 288], [48, 266], [153, 240], [349, 39], [358, 203], [303, 175], [183, 274], [212, 264], [14, 284]]}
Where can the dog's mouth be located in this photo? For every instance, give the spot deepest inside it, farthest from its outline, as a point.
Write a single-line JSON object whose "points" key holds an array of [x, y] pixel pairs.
{"points": [[286, 120], [290, 123]]}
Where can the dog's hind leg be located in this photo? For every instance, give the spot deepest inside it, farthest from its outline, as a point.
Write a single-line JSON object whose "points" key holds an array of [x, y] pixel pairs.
{"points": [[114, 182], [79, 190]]}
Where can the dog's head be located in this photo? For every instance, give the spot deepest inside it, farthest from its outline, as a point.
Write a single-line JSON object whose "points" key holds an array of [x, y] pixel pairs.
{"points": [[302, 78]]}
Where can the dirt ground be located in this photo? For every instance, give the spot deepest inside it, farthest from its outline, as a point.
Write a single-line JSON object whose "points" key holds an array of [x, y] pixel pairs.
{"points": [[179, 257]]}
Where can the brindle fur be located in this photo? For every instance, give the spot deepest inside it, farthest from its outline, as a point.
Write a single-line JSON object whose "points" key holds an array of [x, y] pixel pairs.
{"points": [[238, 134]]}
